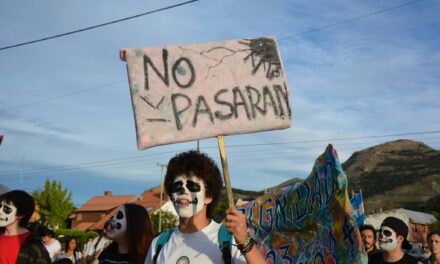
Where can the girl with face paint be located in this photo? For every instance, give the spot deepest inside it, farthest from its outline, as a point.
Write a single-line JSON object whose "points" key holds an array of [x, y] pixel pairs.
{"points": [[17, 243], [131, 233]]}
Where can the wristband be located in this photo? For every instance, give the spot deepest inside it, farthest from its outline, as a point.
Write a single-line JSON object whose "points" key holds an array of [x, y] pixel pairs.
{"points": [[246, 246]]}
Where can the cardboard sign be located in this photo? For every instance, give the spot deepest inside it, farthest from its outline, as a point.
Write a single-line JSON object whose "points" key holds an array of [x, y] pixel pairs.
{"points": [[188, 92]]}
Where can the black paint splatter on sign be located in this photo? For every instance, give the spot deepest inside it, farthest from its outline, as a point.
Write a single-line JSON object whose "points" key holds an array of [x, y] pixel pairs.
{"points": [[263, 51]]}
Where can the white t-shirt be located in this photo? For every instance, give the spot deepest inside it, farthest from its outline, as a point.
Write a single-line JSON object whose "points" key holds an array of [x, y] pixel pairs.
{"points": [[102, 243], [53, 248], [75, 258], [200, 247]]}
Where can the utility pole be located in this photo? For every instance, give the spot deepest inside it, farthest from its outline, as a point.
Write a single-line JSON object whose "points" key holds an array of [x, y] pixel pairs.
{"points": [[161, 195], [21, 173]]}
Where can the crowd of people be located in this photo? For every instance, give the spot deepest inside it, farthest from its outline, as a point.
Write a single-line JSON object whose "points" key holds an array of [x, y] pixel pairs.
{"points": [[193, 181], [393, 247]]}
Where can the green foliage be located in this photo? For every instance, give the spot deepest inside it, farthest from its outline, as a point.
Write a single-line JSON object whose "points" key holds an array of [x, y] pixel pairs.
{"points": [[219, 212], [168, 219], [431, 206], [81, 236], [54, 203], [396, 168], [435, 226]]}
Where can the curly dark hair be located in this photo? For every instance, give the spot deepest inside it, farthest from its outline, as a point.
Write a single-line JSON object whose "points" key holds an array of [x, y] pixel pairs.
{"points": [[196, 164]]}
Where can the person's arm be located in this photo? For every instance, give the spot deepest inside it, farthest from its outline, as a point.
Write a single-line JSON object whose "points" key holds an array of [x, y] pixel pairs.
{"points": [[236, 224]]}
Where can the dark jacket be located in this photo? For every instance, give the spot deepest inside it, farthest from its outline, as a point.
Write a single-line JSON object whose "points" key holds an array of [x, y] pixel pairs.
{"points": [[33, 251]]}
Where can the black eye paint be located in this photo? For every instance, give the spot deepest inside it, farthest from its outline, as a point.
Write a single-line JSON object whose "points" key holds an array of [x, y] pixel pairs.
{"points": [[7, 209], [120, 215], [118, 226], [387, 233], [192, 186], [177, 187]]}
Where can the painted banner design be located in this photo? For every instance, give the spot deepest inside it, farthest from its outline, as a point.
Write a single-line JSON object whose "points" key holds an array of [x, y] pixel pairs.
{"points": [[187, 92], [312, 222]]}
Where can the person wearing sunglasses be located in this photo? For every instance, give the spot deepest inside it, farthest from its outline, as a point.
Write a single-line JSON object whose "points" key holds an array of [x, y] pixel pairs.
{"points": [[392, 242]]}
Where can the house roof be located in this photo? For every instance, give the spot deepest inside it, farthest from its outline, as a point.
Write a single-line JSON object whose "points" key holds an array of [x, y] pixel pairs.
{"points": [[419, 217], [106, 202], [408, 216], [83, 225], [151, 201], [109, 204], [100, 224]]}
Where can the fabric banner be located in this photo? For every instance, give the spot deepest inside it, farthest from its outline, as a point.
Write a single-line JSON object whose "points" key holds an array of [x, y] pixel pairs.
{"points": [[358, 206], [312, 222]]}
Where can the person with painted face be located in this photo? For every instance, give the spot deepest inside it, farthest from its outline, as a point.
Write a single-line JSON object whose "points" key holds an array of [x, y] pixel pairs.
{"points": [[368, 234], [131, 233], [193, 182], [392, 242], [434, 247], [17, 243]]}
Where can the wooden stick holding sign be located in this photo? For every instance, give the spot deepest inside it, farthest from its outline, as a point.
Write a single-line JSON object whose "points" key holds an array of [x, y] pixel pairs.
{"points": [[222, 149]]}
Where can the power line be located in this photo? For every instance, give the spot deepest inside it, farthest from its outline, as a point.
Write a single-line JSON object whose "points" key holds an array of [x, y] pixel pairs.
{"points": [[135, 159], [349, 20], [105, 85], [97, 26], [331, 139], [63, 95], [188, 2]]}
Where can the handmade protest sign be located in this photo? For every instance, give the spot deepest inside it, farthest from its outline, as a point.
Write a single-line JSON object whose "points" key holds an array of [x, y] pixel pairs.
{"points": [[187, 92], [311, 222]]}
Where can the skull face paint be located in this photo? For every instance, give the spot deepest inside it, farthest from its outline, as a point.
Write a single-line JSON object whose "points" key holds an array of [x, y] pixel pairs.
{"points": [[387, 238], [188, 195], [8, 213], [118, 224]]}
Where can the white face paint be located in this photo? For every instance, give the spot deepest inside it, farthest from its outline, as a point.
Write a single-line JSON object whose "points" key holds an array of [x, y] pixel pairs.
{"points": [[387, 238], [8, 213], [118, 224], [188, 195]]}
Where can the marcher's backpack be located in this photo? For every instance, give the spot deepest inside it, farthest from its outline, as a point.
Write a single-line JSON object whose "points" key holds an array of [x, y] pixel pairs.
{"points": [[224, 242]]}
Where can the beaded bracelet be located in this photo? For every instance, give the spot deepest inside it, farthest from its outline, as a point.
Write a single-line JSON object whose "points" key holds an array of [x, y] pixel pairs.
{"points": [[246, 246]]}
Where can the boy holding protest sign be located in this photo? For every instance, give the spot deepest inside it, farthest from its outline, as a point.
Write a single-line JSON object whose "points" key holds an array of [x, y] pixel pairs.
{"points": [[193, 182]]}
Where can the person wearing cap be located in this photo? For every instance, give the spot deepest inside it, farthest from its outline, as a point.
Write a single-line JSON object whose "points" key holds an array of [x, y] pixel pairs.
{"points": [[368, 234], [392, 242]]}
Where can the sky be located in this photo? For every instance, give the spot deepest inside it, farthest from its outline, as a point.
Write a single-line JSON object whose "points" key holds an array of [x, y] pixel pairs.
{"points": [[359, 73]]}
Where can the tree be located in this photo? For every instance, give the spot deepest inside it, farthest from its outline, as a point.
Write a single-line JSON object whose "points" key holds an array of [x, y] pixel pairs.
{"points": [[169, 220], [54, 204]]}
